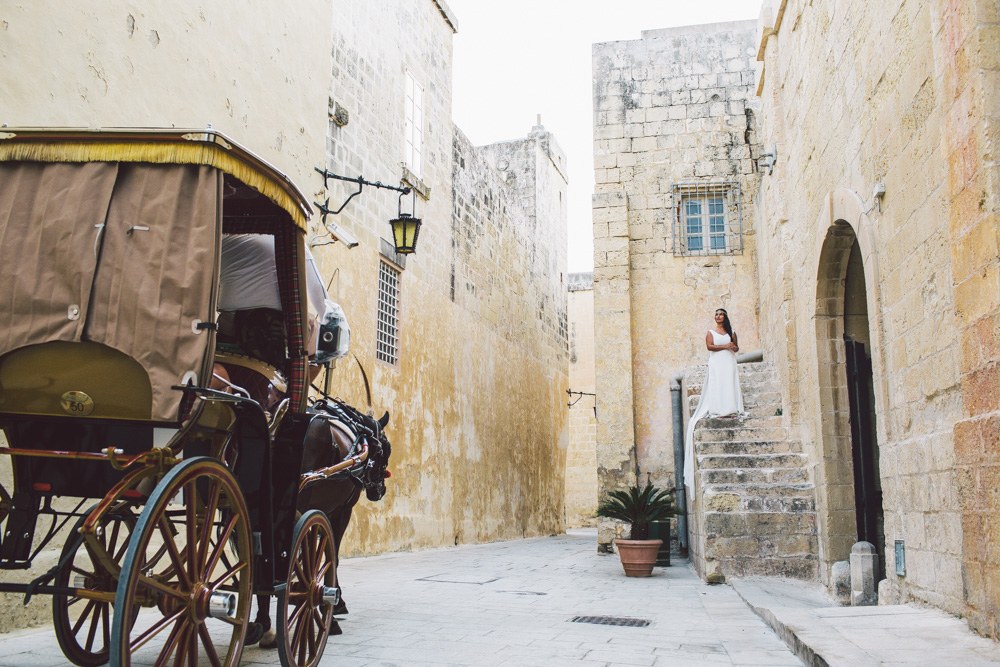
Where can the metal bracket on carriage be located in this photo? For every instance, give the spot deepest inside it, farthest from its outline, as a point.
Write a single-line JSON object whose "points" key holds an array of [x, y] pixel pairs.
{"points": [[156, 457], [346, 465]]}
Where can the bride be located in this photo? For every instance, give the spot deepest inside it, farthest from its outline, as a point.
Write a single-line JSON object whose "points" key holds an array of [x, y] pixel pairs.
{"points": [[720, 395]]}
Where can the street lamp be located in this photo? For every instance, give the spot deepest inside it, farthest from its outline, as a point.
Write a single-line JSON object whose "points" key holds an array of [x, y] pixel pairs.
{"points": [[405, 229]]}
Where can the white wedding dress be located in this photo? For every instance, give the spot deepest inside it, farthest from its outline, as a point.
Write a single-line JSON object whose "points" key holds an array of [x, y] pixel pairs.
{"points": [[720, 395]]}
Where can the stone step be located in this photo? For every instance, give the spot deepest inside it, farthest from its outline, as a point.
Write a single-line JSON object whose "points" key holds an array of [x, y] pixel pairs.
{"points": [[771, 396], [748, 501], [763, 490], [755, 367], [751, 462], [744, 431], [749, 448], [748, 388], [751, 408], [697, 376], [712, 476], [759, 524]]}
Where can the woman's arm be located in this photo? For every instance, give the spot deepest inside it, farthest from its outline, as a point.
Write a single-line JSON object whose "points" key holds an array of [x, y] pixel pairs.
{"points": [[710, 343], [735, 344]]}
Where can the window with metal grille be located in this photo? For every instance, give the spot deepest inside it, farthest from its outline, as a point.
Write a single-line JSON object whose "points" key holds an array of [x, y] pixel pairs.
{"points": [[387, 333], [708, 219]]}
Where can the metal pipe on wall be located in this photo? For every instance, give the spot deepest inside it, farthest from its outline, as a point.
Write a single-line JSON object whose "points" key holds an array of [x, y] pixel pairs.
{"points": [[680, 494]]}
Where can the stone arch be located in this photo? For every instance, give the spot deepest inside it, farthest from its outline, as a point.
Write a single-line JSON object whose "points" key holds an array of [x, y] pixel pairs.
{"points": [[843, 221]]}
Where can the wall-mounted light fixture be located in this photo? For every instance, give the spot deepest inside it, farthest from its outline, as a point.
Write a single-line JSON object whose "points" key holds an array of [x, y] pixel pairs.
{"points": [[768, 160], [878, 192], [406, 227]]}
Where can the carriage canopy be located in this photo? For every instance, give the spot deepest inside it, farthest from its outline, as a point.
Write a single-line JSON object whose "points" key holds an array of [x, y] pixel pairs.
{"points": [[109, 258]]}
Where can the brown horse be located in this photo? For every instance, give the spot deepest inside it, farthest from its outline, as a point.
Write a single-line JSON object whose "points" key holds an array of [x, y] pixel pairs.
{"points": [[336, 432]]}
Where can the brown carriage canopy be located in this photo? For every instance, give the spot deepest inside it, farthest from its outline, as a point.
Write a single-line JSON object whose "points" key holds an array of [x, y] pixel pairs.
{"points": [[112, 237]]}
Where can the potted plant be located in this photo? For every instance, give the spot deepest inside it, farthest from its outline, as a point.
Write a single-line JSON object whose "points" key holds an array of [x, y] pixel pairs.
{"points": [[637, 507]]}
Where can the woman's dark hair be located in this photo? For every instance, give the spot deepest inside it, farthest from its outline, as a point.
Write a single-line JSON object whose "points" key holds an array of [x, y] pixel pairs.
{"points": [[725, 322]]}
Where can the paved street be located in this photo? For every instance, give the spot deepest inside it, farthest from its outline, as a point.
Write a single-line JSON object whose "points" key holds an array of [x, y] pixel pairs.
{"points": [[512, 603]]}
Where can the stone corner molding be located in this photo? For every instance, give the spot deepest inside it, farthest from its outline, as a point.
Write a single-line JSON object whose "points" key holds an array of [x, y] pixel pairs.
{"points": [[769, 23], [448, 14]]}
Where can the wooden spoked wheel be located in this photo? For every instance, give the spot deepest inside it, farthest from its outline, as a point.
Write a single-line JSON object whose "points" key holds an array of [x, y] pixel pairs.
{"points": [[194, 600], [305, 607], [83, 625]]}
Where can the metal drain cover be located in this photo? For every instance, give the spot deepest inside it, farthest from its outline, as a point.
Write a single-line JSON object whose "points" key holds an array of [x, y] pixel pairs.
{"points": [[612, 620]]}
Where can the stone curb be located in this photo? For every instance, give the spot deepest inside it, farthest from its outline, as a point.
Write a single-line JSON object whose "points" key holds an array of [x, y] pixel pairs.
{"points": [[788, 633]]}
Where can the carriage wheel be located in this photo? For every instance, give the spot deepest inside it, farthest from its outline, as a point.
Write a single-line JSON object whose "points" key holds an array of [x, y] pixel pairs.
{"points": [[83, 627], [196, 596], [305, 606]]}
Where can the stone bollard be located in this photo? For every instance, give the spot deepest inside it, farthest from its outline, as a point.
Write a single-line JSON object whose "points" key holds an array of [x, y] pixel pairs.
{"points": [[841, 578], [864, 565]]}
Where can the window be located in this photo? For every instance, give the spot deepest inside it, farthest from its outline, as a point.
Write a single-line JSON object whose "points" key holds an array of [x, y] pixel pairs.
{"points": [[387, 333], [708, 219], [413, 127]]}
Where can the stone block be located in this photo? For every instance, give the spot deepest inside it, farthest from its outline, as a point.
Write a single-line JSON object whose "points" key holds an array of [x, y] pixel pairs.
{"points": [[840, 580], [864, 566]]}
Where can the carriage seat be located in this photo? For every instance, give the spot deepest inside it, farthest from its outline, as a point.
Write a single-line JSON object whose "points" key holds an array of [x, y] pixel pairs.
{"points": [[265, 383]]}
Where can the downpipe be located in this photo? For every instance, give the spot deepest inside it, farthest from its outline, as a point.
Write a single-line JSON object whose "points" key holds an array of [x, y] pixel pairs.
{"points": [[680, 495]]}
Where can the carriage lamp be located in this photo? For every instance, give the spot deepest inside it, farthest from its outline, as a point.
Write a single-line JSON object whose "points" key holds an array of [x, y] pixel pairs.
{"points": [[405, 229]]}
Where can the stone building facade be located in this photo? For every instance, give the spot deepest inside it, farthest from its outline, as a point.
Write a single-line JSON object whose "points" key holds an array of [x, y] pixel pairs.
{"points": [[476, 384], [674, 123], [581, 454], [878, 282]]}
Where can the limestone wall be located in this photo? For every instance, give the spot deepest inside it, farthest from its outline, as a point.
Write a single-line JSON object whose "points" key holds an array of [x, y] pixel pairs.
{"points": [[856, 94], [673, 107], [479, 418], [259, 75], [581, 455], [478, 395]]}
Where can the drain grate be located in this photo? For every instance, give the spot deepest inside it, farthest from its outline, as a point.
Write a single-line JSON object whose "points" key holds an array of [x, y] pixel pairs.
{"points": [[612, 620]]}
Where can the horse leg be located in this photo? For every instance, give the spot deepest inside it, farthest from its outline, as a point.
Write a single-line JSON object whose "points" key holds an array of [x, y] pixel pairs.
{"points": [[340, 518], [260, 629]]}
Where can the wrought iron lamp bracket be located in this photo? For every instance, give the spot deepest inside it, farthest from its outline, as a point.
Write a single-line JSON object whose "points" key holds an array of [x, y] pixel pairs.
{"points": [[325, 209]]}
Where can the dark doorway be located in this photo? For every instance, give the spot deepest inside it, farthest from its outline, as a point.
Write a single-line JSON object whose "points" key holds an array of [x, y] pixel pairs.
{"points": [[861, 395]]}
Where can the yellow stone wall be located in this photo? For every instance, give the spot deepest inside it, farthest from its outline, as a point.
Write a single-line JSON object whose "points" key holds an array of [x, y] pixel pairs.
{"points": [[672, 107], [184, 64], [854, 94], [581, 454], [478, 397]]}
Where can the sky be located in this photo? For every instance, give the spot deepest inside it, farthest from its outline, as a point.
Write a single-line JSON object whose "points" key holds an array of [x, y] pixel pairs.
{"points": [[515, 59]]}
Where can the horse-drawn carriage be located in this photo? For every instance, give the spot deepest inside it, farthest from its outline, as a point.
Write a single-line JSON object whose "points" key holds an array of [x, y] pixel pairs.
{"points": [[109, 283]]}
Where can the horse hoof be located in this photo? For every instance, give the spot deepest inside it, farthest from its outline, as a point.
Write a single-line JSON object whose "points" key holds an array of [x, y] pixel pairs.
{"points": [[341, 608], [255, 631], [269, 640], [335, 628]]}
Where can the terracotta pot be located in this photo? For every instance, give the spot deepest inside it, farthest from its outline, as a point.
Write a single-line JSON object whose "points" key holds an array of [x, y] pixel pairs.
{"points": [[638, 556]]}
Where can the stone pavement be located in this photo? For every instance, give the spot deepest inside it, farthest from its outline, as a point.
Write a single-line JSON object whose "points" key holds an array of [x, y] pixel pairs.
{"points": [[825, 634], [511, 603]]}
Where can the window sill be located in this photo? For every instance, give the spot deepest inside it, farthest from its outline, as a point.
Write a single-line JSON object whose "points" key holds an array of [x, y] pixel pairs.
{"points": [[421, 188]]}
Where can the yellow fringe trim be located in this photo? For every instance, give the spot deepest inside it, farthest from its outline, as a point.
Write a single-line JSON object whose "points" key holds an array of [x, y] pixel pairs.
{"points": [[157, 153]]}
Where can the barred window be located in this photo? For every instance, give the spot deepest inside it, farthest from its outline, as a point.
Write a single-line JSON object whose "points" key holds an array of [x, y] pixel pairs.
{"points": [[708, 219], [387, 335]]}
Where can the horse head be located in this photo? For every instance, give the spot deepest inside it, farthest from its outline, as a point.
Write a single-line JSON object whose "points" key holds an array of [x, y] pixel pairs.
{"points": [[377, 467]]}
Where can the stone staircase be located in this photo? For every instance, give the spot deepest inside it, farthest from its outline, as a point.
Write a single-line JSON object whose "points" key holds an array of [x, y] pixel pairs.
{"points": [[755, 511]]}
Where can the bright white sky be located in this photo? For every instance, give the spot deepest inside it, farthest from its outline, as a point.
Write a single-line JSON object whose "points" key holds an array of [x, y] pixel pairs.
{"points": [[518, 58]]}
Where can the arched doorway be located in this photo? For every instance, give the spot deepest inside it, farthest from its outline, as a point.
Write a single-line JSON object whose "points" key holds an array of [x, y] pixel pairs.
{"points": [[849, 490], [861, 407]]}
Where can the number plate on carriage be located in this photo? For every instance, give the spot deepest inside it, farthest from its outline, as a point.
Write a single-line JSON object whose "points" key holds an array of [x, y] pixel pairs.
{"points": [[77, 403]]}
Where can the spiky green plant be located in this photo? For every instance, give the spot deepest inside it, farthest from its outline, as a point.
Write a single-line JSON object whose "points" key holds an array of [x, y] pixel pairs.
{"points": [[638, 507]]}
